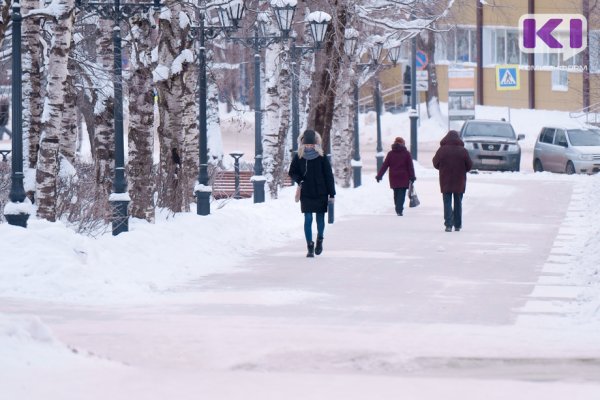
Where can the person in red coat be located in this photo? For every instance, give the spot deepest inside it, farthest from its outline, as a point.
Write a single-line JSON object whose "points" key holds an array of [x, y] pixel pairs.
{"points": [[453, 162], [402, 171]]}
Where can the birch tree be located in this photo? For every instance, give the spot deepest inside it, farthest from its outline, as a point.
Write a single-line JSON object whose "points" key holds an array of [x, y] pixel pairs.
{"points": [[342, 129], [277, 113], [103, 101], [33, 90], [141, 120], [175, 78], [48, 164]]}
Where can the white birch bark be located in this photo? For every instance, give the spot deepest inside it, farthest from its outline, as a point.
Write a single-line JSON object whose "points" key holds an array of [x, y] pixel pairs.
{"points": [[68, 135], [215, 138], [176, 100], [342, 130], [33, 90], [141, 120], [104, 141], [277, 116], [48, 166]]}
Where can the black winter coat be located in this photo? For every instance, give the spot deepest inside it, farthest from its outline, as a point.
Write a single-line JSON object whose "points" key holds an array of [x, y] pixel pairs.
{"points": [[317, 182], [401, 166], [453, 162]]}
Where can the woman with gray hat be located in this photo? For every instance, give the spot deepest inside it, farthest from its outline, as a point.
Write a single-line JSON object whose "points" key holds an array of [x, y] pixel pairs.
{"points": [[312, 171]]}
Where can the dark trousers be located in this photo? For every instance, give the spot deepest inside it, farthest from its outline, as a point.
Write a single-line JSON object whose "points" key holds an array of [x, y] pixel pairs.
{"points": [[453, 217], [399, 196]]}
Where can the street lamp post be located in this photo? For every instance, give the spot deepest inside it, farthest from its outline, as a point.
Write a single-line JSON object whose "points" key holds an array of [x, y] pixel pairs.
{"points": [[17, 211], [413, 99], [351, 40], [119, 198], [229, 18], [284, 13], [377, 94]]}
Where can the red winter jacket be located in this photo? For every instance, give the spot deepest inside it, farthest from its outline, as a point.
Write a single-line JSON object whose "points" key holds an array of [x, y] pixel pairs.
{"points": [[400, 163], [453, 162]]}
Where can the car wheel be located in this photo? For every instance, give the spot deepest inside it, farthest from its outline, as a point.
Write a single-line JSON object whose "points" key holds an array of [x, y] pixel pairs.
{"points": [[537, 166], [570, 170]]}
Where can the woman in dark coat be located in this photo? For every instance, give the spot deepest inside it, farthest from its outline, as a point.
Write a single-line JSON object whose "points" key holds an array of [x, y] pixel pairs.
{"points": [[312, 171], [402, 171], [453, 162]]}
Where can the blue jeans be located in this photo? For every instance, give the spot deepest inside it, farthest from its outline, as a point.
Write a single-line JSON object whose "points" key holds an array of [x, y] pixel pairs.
{"points": [[453, 217], [308, 220]]}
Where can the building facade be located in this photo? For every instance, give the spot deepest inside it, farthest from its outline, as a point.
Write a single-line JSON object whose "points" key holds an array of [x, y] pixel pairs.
{"points": [[484, 35]]}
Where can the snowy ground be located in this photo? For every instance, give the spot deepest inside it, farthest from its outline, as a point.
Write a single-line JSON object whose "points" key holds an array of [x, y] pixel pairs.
{"points": [[228, 307]]}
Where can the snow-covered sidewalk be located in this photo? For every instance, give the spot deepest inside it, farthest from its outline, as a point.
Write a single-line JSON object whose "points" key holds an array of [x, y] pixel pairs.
{"points": [[227, 306]]}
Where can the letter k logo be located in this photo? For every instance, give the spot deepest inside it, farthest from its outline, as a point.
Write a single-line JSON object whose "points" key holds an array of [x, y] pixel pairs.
{"points": [[545, 33]]}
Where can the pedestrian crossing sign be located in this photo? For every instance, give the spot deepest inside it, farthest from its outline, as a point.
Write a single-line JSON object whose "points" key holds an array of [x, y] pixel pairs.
{"points": [[507, 77]]}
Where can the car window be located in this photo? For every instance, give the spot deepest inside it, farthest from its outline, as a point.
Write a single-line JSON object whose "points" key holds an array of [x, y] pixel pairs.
{"points": [[489, 129], [560, 138], [547, 135], [580, 137]]}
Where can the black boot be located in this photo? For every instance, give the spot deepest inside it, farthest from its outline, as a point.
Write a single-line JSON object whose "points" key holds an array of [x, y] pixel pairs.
{"points": [[319, 248], [311, 249]]}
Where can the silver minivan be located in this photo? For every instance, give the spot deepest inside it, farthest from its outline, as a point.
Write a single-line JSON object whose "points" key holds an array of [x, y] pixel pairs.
{"points": [[567, 150]]}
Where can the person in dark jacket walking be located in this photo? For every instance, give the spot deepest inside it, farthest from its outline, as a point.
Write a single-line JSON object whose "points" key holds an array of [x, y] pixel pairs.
{"points": [[312, 171], [453, 162], [402, 171]]}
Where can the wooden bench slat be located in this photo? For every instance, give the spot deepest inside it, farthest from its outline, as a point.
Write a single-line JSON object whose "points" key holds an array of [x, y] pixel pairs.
{"points": [[224, 184]]}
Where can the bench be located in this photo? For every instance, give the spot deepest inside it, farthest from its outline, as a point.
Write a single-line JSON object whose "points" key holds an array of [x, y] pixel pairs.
{"points": [[223, 186]]}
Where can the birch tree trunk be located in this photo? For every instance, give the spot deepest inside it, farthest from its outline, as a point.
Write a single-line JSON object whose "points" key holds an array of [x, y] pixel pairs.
{"points": [[342, 130], [328, 76], [176, 129], [104, 140], [277, 116], [141, 121], [427, 44], [33, 90], [215, 138], [48, 164], [68, 135]]}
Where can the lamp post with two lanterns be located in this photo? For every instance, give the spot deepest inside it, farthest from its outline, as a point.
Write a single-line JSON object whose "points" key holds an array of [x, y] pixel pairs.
{"points": [[351, 40], [116, 11], [229, 18], [17, 210], [284, 14]]}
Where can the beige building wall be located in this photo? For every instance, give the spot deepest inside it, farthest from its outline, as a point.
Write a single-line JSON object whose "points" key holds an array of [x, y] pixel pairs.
{"points": [[506, 13], [510, 98]]}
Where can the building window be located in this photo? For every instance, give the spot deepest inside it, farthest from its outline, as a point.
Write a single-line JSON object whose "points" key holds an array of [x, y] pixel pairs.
{"points": [[512, 48], [457, 46], [560, 80], [462, 45], [501, 46]]}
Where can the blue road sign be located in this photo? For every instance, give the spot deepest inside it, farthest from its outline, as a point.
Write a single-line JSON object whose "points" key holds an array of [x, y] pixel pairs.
{"points": [[422, 59], [507, 77]]}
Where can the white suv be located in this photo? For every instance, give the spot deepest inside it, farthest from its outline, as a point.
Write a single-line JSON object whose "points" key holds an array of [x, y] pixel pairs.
{"points": [[568, 150]]}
